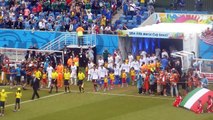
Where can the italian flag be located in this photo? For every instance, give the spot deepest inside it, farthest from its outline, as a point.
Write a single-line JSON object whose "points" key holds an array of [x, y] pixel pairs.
{"points": [[191, 100]]}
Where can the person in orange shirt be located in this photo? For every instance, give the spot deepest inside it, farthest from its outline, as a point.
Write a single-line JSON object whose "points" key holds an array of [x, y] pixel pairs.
{"points": [[44, 79], [152, 66], [76, 62], [70, 61], [132, 74], [174, 78], [80, 31], [146, 83], [60, 69], [163, 81], [157, 76], [143, 67]]}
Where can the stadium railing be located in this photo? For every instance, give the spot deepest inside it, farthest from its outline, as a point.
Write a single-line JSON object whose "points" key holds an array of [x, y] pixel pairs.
{"points": [[16, 55]]}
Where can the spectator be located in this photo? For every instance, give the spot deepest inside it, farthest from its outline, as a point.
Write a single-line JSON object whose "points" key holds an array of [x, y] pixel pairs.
{"points": [[125, 27], [108, 30], [138, 19], [80, 31], [164, 53], [18, 24], [67, 21], [125, 8], [164, 62], [68, 11], [90, 53], [204, 82], [105, 55], [41, 24], [26, 12], [1, 20], [151, 9], [103, 20], [132, 7], [49, 25]]}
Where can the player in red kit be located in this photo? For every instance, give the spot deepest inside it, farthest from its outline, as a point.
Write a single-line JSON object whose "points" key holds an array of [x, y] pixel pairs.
{"points": [[177, 101], [210, 104], [199, 107]]}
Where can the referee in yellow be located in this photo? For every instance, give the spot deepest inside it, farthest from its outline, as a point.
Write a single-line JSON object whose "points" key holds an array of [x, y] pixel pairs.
{"points": [[54, 81], [18, 96], [67, 77], [3, 97], [81, 77]]}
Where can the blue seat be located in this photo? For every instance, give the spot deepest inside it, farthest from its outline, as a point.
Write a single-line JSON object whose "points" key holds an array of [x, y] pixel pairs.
{"points": [[122, 18], [57, 13], [137, 4], [85, 17], [134, 26], [124, 21], [129, 24], [134, 20], [130, 21], [129, 17], [99, 15], [118, 22]]}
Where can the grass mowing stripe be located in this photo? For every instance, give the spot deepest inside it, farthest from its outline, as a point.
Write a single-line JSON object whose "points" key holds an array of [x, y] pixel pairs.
{"points": [[126, 95], [27, 101], [98, 93]]}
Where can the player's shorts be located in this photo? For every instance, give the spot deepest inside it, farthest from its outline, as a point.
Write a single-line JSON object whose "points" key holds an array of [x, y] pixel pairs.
{"points": [[80, 82], [44, 81], [54, 81], [111, 82], [123, 80], [133, 78], [2, 104], [66, 82], [94, 82], [105, 85], [18, 100]]}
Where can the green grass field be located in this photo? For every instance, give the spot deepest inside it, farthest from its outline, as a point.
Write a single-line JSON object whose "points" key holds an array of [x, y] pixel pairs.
{"points": [[118, 104]]}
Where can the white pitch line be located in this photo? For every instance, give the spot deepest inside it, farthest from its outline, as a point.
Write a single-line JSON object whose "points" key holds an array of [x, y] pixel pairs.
{"points": [[96, 93], [27, 101]]}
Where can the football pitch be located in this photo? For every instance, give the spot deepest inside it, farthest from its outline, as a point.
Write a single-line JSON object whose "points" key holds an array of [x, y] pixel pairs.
{"points": [[117, 104]]}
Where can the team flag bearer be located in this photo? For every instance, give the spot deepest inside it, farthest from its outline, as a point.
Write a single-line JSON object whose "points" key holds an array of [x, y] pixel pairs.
{"points": [[177, 101], [210, 104], [18, 96], [3, 97], [199, 107]]}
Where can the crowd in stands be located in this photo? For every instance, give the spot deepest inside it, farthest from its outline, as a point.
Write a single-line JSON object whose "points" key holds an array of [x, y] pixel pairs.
{"points": [[134, 13], [57, 15], [94, 16]]}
